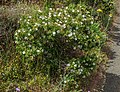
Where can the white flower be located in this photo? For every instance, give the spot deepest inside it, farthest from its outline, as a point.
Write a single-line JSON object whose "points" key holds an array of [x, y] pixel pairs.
{"points": [[72, 70], [73, 10], [23, 30], [69, 35], [74, 48], [36, 28], [26, 38], [59, 13], [73, 62], [23, 52], [16, 37], [46, 17], [65, 20], [50, 8], [29, 45], [57, 20], [43, 18], [66, 7], [73, 20], [30, 30], [76, 22], [40, 17], [45, 24], [81, 70], [75, 65], [86, 64], [60, 22], [68, 65], [54, 33], [58, 9], [39, 11], [29, 34], [91, 22], [80, 46], [28, 22], [56, 23], [65, 81], [48, 22], [65, 11], [83, 16], [36, 24], [78, 11], [54, 15], [91, 68], [42, 50], [18, 31], [66, 40], [84, 76], [76, 27], [68, 15], [73, 33], [16, 42], [93, 63], [83, 61], [88, 15], [64, 26], [75, 38], [30, 17], [84, 19], [81, 23], [88, 12], [58, 31], [38, 51]]}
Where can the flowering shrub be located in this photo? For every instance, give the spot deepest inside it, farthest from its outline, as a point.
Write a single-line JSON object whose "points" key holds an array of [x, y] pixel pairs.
{"points": [[68, 40], [75, 26]]}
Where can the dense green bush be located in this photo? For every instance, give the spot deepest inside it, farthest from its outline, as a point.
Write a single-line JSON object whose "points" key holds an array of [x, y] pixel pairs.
{"points": [[67, 41], [70, 25]]}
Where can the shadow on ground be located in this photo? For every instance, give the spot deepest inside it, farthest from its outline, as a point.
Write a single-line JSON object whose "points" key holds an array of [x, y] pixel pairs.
{"points": [[115, 34], [112, 83], [109, 52]]}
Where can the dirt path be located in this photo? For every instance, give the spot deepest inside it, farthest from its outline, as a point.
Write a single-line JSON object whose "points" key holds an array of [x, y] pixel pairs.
{"points": [[112, 83]]}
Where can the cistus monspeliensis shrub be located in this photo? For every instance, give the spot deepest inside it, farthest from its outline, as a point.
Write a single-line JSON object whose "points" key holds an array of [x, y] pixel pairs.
{"points": [[65, 41]]}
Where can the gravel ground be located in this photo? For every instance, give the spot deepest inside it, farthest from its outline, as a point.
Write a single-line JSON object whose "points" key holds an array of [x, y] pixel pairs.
{"points": [[112, 83]]}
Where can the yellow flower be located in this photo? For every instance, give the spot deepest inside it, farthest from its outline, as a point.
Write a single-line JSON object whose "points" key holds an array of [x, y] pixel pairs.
{"points": [[99, 10], [97, 36], [110, 15]]}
